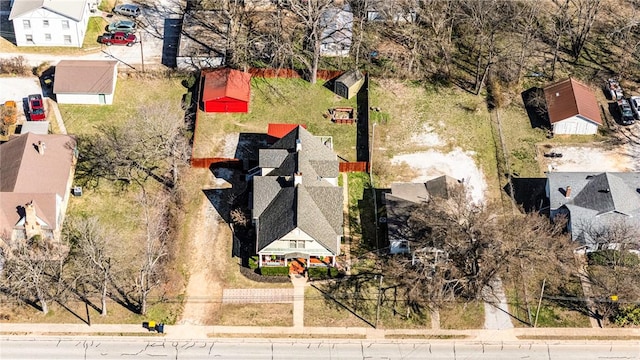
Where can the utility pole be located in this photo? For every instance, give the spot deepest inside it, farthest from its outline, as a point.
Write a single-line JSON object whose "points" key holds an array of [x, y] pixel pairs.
{"points": [[535, 323], [142, 50], [379, 300], [373, 188]]}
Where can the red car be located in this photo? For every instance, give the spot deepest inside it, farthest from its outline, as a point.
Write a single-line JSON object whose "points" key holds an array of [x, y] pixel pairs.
{"points": [[118, 38], [36, 108]]}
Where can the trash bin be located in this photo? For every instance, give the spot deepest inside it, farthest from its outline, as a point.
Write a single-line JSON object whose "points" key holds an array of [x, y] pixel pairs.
{"points": [[152, 325], [145, 324], [160, 328]]}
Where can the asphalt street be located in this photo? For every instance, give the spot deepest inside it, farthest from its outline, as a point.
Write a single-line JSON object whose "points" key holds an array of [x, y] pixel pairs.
{"points": [[246, 349]]}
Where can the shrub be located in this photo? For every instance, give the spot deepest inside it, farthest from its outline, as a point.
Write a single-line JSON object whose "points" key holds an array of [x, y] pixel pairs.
{"points": [[319, 273], [14, 66], [627, 315], [274, 271]]}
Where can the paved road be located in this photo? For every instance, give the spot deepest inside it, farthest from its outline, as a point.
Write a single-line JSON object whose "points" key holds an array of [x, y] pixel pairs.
{"points": [[93, 348]]}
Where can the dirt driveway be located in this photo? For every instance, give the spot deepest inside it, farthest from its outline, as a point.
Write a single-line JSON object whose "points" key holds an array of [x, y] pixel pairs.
{"points": [[587, 158]]}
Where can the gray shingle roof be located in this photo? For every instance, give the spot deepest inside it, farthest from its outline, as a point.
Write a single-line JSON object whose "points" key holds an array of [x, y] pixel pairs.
{"points": [[596, 199], [73, 9], [314, 206]]}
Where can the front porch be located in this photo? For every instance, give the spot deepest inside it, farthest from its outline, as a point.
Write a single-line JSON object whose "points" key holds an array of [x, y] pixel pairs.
{"points": [[306, 259]]}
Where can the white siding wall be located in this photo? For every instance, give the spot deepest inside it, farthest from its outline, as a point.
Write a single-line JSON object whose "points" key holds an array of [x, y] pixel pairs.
{"points": [[55, 29], [575, 126], [86, 99], [311, 247]]}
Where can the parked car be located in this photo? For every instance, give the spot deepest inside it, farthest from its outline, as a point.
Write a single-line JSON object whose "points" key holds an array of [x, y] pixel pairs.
{"points": [[117, 38], [615, 90], [127, 10], [634, 101], [9, 112], [36, 108], [125, 26], [626, 114]]}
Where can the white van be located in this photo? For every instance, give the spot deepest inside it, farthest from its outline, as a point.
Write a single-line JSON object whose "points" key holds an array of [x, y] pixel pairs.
{"points": [[127, 10]]}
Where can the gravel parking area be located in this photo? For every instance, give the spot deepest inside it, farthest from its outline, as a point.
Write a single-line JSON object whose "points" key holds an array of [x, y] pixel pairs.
{"points": [[589, 158], [17, 89]]}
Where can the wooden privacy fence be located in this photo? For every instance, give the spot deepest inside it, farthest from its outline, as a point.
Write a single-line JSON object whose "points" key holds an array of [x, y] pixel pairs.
{"points": [[358, 166], [292, 74], [204, 163]]}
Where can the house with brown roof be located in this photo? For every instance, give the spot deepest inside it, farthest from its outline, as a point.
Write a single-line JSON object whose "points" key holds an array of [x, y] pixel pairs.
{"points": [[226, 90], [89, 82], [36, 172], [572, 108]]}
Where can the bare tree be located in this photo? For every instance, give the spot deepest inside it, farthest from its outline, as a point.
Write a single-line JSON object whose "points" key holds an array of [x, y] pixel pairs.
{"points": [[154, 215], [582, 18], [309, 14], [33, 268], [151, 144], [94, 251]]}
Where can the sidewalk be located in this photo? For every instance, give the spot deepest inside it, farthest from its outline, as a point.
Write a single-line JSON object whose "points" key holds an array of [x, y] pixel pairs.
{"points": [[194, 332]]}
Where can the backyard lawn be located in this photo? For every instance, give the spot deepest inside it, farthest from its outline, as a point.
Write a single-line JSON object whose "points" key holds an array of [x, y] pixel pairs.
{"points": [[291, 101]]}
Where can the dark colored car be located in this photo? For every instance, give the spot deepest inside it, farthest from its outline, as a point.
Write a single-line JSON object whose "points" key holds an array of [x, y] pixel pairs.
{"points": [[626, 113], [117, 38], [125, 26], [36, 108]]}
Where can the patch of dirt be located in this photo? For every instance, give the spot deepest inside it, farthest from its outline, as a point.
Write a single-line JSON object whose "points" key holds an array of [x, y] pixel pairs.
{"points": [[204, 292], [457, 164], [588, 158]]}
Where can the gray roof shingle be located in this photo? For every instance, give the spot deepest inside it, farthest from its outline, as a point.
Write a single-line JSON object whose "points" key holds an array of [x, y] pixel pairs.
{"points": [[314, 206]]}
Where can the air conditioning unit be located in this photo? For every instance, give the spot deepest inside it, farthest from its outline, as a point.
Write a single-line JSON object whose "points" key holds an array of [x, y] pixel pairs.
{"points": [[76, 191]]}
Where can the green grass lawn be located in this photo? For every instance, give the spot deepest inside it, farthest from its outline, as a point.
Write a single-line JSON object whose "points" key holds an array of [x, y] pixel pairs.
{"points": [[83, 119], [278, 101]]}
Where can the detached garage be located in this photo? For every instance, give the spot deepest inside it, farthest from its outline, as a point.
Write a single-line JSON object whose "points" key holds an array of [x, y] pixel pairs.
{"points": [[572, 107], [226, 91], [91, 82]]}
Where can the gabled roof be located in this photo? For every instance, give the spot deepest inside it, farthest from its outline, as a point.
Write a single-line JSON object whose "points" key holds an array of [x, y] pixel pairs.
{"points": [[85, 77], [314, 205], [569, 98], [226, 82], [595, 199], [73, 9], [336, 25], [277, 131], [26, 175], [351, 77], [405, 198]]}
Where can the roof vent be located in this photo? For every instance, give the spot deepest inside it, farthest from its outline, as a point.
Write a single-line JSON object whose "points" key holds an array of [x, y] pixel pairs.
{"points": [[606, 191], [557, 94]]}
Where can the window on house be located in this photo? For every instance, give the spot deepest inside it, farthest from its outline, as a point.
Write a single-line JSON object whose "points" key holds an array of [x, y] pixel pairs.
{"points": [[67, 39], [65, 24], [45, 23], [301, 244], [26, 24], [47, 37], [29, 38], [292, 244]]}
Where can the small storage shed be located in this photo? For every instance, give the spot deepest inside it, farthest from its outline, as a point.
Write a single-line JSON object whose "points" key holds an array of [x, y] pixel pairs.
{"points": [[349, 83], [572, 108], [226, 90], [90, 82]]}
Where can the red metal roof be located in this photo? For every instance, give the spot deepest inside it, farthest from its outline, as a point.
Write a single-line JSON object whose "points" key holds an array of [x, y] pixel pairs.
{"points": [[280, 130], [570, 97], [226, 82]]}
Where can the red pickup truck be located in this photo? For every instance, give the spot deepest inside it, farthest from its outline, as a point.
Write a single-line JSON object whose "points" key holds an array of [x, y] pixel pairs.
{"points": [[36, 108], [118, 38]]}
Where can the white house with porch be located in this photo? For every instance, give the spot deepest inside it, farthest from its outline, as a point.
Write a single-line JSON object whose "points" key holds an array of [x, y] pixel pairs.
{"points": [[50, 22], [297, 205]]}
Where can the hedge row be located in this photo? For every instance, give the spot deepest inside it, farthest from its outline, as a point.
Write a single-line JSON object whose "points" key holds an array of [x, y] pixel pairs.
{"points": [[274, 271], [319, 273]]}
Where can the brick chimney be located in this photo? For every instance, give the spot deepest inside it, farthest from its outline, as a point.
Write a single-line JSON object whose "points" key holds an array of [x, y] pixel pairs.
{"points": [[567, 193], [41, 147], [31, 225], [298, 145]]}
